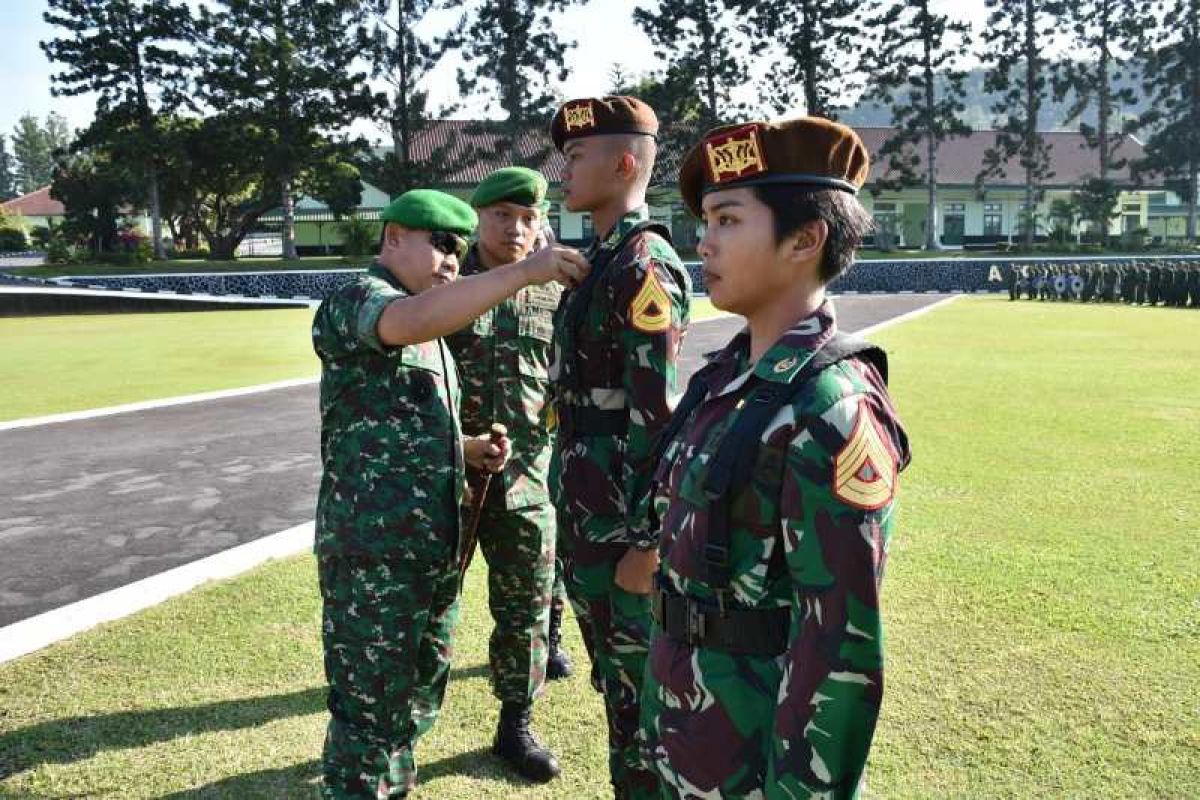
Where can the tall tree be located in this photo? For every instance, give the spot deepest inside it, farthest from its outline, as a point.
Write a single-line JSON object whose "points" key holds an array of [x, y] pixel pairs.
{"points": [[33, 149], [8, 176], [916, 72], [403, 59], [95, 186], [813, 39], [130, 53], [1016, 37], [1105, 34], [286, 70], [510, 49], [1172, 77], [693, 38]]}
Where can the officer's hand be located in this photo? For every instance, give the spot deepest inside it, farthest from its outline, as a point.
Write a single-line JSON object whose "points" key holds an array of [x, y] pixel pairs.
{"points": [[555, 263], [635, 571], [482, 453]]}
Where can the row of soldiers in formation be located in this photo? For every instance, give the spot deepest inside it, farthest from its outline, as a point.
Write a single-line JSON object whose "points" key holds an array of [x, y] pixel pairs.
{"points": [[723, 557], [1174, 284]]}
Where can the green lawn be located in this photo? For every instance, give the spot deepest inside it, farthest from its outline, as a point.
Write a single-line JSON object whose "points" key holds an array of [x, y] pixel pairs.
{"points": [[1041, 600], [69, 363]]}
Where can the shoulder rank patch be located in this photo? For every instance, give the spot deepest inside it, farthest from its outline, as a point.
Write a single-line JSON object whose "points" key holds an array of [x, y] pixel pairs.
{"points": [[650, 309], [579, 117], [864, 473], [734, 154]]}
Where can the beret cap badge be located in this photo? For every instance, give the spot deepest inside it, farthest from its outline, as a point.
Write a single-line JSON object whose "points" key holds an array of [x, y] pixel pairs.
{"points": [[579, 117], [736, 154]]}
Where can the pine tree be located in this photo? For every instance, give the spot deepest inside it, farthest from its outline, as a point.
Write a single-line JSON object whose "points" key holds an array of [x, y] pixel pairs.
{"points": [[916, 72], [130, 54], [1172, 78], [815, 39], [694, 39], [1016, 37], [285, 70], [510, 49], [403, 60], [1105, 33], [32, 153], [8, 177]]}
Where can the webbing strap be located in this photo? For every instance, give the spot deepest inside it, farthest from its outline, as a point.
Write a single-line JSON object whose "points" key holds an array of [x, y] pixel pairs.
{"points": [[575, 303], [733, 467]]}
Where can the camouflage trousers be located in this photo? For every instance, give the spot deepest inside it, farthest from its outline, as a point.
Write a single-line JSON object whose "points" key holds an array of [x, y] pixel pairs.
{"points": [[518, 546], [616, 631], [387, 631]]}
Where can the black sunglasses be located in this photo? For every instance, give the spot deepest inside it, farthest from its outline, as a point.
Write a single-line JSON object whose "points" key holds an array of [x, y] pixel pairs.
{"points": [[449, 243]]}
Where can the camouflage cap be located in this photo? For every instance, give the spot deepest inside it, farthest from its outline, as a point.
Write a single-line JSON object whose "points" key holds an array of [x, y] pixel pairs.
{"points": [[591, 116], [431, 210], [806, 151], [520, 185]]}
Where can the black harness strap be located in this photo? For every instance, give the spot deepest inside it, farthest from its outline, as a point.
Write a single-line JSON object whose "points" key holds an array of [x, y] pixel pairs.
{"points": [[576, 302], [733, 466]]}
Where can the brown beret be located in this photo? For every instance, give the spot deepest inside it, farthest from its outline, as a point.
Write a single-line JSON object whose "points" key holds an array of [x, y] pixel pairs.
{"points": [[592, 116], [807, 151]]}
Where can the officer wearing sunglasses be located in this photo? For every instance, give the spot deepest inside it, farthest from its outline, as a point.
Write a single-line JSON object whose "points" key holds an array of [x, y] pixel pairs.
{"points": [[393, 458]]}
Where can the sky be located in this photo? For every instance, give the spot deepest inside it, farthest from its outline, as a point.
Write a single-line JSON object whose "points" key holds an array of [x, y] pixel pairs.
{"points": [[603, 30]]}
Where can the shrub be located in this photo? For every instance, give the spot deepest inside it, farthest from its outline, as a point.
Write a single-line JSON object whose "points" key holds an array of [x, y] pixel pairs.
{"points": [[359, 237], [59, 249], [13, 240]]}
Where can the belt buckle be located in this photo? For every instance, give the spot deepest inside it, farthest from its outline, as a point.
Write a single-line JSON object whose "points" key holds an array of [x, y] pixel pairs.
{"points": [[697, 624]]}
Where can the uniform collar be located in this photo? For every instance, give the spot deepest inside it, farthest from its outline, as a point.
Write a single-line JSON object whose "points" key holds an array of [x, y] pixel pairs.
{"points": [[781, 362], [624, 225], [473, 263], [377, 270]]}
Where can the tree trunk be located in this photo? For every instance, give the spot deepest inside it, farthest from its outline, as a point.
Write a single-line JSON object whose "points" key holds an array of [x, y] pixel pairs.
{"points": [[1105, 109], [931, 214], [1193, 188], [223, 248], [156, 225], [812, 98], [289, 221], [1031, 115]]}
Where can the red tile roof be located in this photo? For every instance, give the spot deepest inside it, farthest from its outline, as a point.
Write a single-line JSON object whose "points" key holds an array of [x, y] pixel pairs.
{"points": [[35, 204], [959, 160]]}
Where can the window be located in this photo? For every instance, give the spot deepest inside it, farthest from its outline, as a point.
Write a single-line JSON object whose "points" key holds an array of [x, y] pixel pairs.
{"points": [[993, 219], [589, 231], [956, 209], [886, 215], [1132, 208], [554, 220]]}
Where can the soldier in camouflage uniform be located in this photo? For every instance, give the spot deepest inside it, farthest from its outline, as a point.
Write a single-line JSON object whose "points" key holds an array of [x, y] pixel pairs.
{"points": [[616, 342], [766, 663], [503, 357], [393, 458]]}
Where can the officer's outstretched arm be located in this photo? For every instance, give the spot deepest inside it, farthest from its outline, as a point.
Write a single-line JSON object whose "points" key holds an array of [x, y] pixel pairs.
{"points": [[450, 307], [836, 504]]}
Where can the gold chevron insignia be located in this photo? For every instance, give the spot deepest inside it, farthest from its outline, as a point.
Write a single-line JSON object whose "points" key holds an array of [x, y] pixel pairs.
{"points": [[864, 472], [579, 117], [650, 309]]}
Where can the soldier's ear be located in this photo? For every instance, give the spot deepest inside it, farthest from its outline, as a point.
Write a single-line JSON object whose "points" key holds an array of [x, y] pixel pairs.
{"points": [[807, 242]]}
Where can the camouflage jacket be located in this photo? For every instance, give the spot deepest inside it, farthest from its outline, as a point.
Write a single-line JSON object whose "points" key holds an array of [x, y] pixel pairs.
{"points": [[391, 448], [503, 358], [623, 358], [809, 533]]}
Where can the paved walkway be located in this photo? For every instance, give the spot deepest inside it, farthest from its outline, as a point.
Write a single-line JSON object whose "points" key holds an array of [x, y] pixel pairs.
{"points": [[90, 505]]}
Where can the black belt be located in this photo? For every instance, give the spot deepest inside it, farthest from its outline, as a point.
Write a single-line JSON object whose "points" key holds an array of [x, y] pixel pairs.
{"points": [[748, 631], [580, 421]]}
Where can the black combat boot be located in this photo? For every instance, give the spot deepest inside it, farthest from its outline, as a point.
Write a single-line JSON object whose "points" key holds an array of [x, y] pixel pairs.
{"points": [[558, 663], [517, 745]]}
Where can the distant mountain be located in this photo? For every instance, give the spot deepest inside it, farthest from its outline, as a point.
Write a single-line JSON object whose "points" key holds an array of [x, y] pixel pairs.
{"points": [[979, 114]]}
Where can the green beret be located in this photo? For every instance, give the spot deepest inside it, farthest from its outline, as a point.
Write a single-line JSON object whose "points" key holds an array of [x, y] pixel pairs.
{"points": [[520, 185], [430, 210]]}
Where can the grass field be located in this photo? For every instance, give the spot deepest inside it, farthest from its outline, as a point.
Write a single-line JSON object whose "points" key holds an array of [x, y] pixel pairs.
{"points": [[1042, 601], [71, 363]]}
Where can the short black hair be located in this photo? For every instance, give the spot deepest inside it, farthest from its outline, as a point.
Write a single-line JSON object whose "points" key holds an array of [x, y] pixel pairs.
{"points": [[795, 206]]}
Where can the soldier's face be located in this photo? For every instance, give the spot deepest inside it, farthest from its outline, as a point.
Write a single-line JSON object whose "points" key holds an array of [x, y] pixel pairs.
{"points": [[507, 232], [745, 270], [420, 259], [590, 168]]}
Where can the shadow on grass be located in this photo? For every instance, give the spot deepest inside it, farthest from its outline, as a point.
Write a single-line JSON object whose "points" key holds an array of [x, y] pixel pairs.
{"points": [[298, 780], [463, 673], [63, 741]]}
